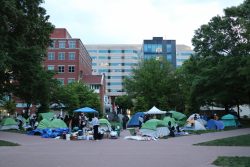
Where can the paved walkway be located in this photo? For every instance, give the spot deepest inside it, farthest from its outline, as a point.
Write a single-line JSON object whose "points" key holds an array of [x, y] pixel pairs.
{"points": [[39, 152]]}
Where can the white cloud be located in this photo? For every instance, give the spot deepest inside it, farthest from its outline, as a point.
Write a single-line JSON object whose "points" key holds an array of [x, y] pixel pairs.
{"points": [[131, 21]]}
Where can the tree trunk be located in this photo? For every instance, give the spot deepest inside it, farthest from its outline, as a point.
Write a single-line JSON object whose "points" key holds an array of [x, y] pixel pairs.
{"points": [[238, 111]]}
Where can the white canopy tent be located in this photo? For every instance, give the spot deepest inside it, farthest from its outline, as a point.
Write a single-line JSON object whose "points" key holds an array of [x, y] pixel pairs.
{"points": [[155, 110]]}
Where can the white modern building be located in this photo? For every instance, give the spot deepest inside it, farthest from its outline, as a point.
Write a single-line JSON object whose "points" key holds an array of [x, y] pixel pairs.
{"points": [[116, 62], [183, 53]]}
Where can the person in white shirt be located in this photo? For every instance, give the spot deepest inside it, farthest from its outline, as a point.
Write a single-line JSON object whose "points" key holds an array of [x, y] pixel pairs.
{"points": [[95, 123]]}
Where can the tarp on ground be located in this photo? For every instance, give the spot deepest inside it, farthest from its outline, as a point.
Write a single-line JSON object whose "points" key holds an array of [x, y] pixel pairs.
{"points": [[134, 121], [49, 133], [215, 125], [155, 110], [158, 133], [104, 125], [43, 124], [167, 119], [230, 120], [8, 123], [57, 123], [46, 115]]}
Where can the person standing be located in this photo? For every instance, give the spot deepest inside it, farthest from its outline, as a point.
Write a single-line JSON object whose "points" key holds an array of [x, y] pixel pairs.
{"points": [[95, 123], [124, 121]]}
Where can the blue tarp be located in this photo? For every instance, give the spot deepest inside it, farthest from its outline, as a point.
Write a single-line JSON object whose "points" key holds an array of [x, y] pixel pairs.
{"points": [[215, 125], [134, 121], [49, 133]]}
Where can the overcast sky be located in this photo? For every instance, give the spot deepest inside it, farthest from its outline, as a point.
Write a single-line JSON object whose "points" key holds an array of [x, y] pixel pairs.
{"points": [[132, 21]]}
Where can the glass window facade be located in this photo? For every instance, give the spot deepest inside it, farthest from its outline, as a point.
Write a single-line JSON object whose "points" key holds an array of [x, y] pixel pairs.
{"points": [[160, 49], [115, 51], [104, 51], [103, 57]]}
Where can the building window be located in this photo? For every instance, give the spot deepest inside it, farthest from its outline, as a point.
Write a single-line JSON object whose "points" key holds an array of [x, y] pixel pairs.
{"points": [[51, 67], [72, 44], [169, 47], [71, 80], [61, 69], [104, 51], [71, 68], [62, 44], [61, 80], [61, 56], [115, 51], [103, 57], [51, 56], [72, 56], [92, 51], [53, 44], [169, 57], [93, 57]]}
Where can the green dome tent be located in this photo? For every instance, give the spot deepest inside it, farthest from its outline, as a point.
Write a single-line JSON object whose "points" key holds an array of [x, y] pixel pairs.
{"points": [[8, 123], [104, 125], [57, 123], [167, 119], [43, 124], [104, 121], [230, 120], [154, 128], [179, 117], [153, 124], [46, 115]]}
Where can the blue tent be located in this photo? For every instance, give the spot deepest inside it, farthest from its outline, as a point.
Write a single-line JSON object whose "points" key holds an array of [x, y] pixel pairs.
{"points": [[86, 110], [134, 121], [215, 125]]}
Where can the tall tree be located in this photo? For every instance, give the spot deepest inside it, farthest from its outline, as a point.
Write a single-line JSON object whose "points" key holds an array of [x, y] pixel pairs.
{"points": [[220, 47], [24, 35], [124, 102], [77, 95], [153, 83]]}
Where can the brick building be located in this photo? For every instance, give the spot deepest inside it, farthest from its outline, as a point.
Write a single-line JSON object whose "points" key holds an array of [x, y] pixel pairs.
{"points": [[69, 57]]}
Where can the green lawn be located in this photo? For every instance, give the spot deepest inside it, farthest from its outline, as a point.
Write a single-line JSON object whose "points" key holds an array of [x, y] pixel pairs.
{"points": [[232, 161], [6, 143], [242, 140]]}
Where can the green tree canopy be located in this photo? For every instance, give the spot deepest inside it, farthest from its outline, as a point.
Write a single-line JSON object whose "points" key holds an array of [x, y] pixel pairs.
{"points": [[25, 36], [152, 84], [124, 102], [76, 95], [222, 56]]}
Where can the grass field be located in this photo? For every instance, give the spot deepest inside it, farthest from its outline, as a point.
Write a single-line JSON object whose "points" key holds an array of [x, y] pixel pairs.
{"points": [[6, 143], [231, 141], [232, 161]]}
